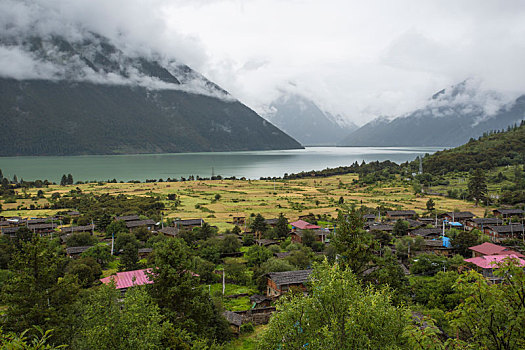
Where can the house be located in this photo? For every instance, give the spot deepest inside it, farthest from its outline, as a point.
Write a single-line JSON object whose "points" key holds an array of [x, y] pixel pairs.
{"points": [[321, 235], [77, 229], [144, 252], [460, 216], [188, 224], [235, 320], [400, 214], [265, 242], [127, 218], [508, 213], [282, 255], [428, 221], [260, 300], [492, 249], [380, 227], [43, 229], [149, 224], [428, 233], [280, 282], [438, 246], [499, 233], [303, 225], [34, 221], [488, 263], [369, 218], [74, 252], [414, 224], [127, 279], [480, 223], [271, 222], [169, 231]]}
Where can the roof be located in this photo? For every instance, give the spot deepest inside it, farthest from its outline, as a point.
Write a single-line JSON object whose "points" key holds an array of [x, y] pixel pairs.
{"points": [[414, 223], [42, 226], [509, 211], [303, 225], [459, 215], [433, 243], [131, 224], [380, 227], [427, 231], [400, 212], [266, 242], [170, 231], [145, 250], [369, 216], [40, 220], [128, 279], [506, 228], [492, 261], [233, 318], [77, 228], [282, 255], [257, 298], [271, 221], [290, 277], [494, 249], [318, 232], [487, 221], [189, 222], [77, 250], [128, 218]]}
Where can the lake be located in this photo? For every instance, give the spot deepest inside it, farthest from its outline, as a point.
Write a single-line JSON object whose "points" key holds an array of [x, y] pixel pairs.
{"points": [[252, 165]]}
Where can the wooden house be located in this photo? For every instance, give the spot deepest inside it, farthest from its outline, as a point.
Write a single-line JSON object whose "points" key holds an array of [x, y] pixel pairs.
{"points": [[280, 282], [460, 216], [75, 252], [144, 252], [508, 213], [188, 224], [169, 231], [127, 279], [149, 224], [400, 214], [260, 300], [234, 320], [427, 233], [488, 263], [127, 218], [77, 229], [500, 233], [320, 235], [437, 247], [380, 227], [369, 218], [492, 249], [480, 223]]}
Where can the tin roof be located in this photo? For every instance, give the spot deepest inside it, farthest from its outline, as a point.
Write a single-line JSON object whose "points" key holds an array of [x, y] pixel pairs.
{"points": [[128, 279], [492, 261]]}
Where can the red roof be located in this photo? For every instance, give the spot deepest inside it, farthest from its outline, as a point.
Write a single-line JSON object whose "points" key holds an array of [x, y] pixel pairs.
{"points": [[494, 249], [492, 261], [129, 278], [303, 225]]}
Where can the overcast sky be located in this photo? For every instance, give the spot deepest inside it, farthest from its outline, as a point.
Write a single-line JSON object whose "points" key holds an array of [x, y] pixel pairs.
{"points": [[358, 59]]}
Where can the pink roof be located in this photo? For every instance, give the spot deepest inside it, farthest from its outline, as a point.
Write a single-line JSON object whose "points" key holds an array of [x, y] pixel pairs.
{"points": [[494, 249], [303, 225], [129, 278], [492, 261]]}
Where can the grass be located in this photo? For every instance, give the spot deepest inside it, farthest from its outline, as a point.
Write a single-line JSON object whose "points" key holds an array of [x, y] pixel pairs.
{"points": [[243, 198], [246, 341]]}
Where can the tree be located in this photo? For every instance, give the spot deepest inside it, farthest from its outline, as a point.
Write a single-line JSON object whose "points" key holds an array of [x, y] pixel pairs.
{"points": [[40, 341], [400, 228], [217, 197], [106, 323], [281, 227], [63, 180], [123, 239], [230, 244], [465, 239], [431, 205], [69, 179], [301, 258], [256, 255], [236, 271], [354, 246], [86, 269], [129, 257], [308, 238], [81, 239], [477, 185], [492, 316], [116, 227], [173, 280], [38, 293], [338, 313], [259, 225], [101, 254]]}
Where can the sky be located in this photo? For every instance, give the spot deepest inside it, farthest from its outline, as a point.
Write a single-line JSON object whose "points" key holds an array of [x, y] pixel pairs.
{"points": [[357, 59]]}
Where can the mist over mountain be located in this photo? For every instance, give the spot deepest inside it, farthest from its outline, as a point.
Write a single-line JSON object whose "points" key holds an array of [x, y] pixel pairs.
{"points": [[451, 117], [80, 94], [302, 119]]}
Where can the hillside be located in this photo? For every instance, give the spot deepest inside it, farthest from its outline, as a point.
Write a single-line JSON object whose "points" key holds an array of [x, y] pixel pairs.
{"points": [[302, 119], [86, 96], [450, 118], [487, 152]]}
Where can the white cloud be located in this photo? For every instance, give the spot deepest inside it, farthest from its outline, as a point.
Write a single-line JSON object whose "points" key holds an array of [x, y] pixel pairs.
{"points": [[356, 59]]}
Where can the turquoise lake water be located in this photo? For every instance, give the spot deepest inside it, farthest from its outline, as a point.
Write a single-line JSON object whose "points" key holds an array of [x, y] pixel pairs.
{"points": [[252, 165]]}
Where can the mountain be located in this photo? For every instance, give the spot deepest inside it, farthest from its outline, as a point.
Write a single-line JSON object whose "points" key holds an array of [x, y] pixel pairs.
{"points": [[84, 95], [450, 118], [306, 122]]}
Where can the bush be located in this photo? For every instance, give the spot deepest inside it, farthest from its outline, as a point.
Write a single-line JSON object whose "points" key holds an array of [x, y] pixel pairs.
{"points": [[247, 328]]}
